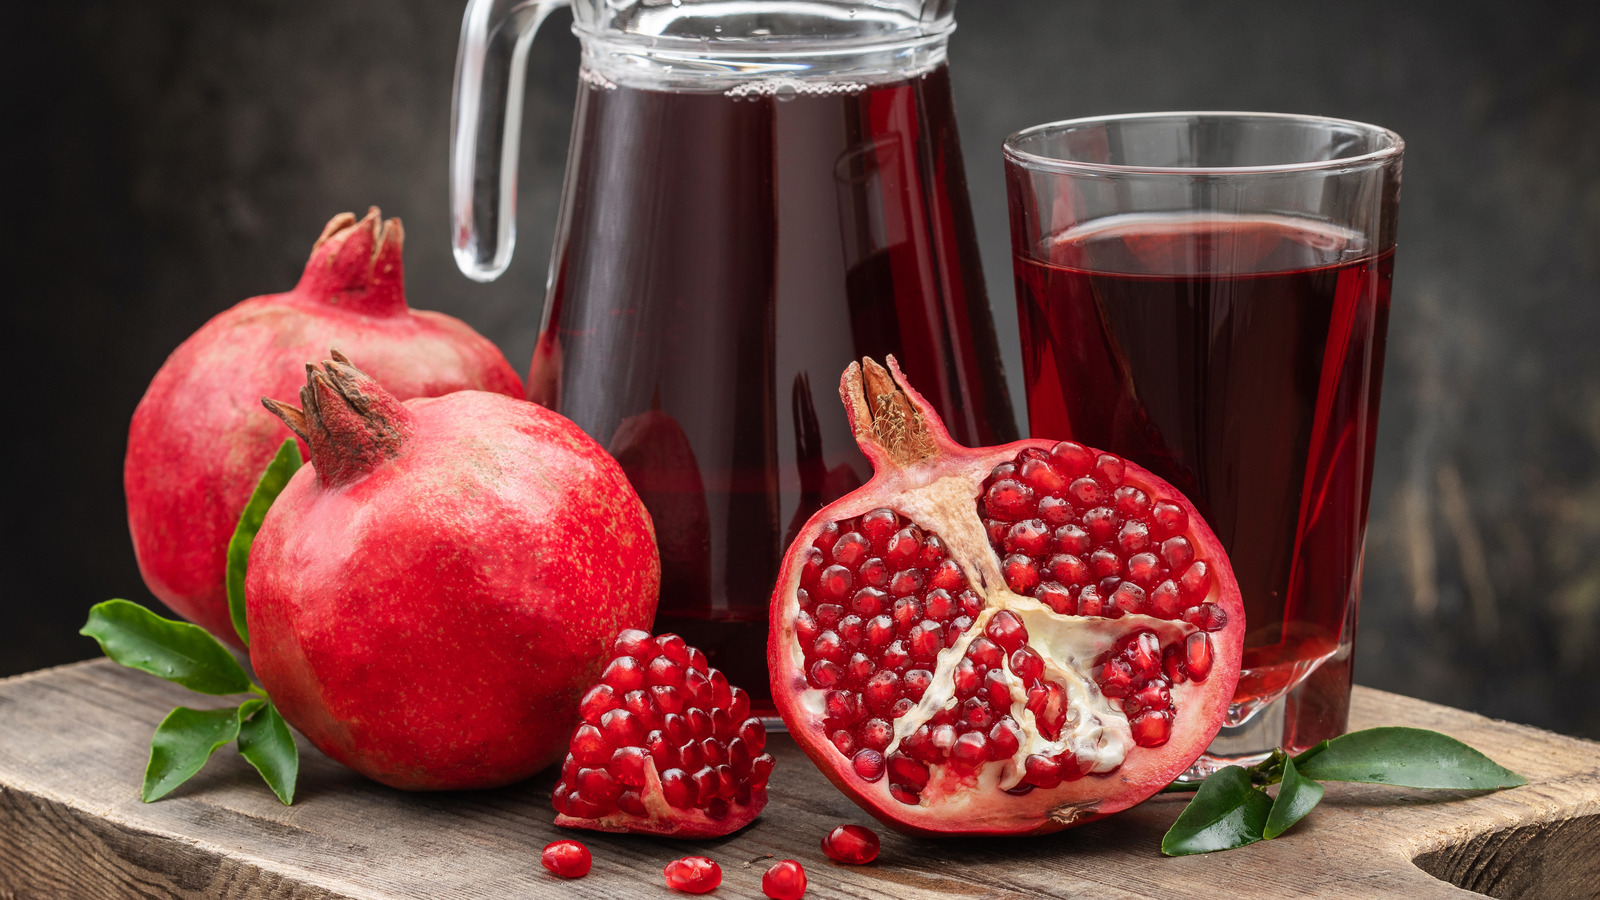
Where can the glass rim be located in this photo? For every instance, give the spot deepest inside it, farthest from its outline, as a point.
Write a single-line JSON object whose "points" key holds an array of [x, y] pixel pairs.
{"points": [[1394, 150]]}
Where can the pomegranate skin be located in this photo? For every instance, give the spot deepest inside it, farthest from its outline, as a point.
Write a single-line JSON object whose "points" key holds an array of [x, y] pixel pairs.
{"points": [[199, 437], [912, 451], [427, 600]]}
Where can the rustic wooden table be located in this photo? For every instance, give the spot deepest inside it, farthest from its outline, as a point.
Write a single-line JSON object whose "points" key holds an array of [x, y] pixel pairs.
{"points": [[73, 743]]}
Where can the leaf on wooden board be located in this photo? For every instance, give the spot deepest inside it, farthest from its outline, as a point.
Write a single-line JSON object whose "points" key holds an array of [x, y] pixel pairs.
{"points": [[1297, 795], [183, 742], [177, 651], [273, 479], [1405, 757], [265, 742], [1226, 812]]}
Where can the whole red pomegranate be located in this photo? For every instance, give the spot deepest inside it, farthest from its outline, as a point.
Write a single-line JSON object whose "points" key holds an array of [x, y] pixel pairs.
{"points": [[1005, 640], [430, 596], [666, 747], [200, 438]]}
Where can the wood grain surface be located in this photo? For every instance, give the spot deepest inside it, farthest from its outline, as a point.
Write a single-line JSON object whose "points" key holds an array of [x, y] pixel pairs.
{"points": [[73, 743]]}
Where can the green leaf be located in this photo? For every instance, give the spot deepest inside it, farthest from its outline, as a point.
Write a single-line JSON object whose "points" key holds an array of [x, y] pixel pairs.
{"points": [[177, 651], [1297, 795], [1227, 812], [1406, 757], [273, 479], [183, 742], [265, 742]]}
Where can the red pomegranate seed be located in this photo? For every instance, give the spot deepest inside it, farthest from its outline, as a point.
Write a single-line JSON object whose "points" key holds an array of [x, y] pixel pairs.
{"points": [[693, 875], [971, 750], [1007, 630], [1169, 519], [1027, 664], [1165, 602], [851, 844], [1151, 728], [567, 859], [906, 771], [1206, 616], [1008, 500], [1197, 656], [623, 674], [786, 880], [916, 683], [1067, 568], [1041, 771], [1128, 597], [1195, 581], [868, 764], [1057, 597], [1108, 469]]}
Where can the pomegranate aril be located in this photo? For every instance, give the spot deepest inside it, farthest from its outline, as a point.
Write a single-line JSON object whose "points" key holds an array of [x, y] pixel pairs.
{"points": [[881, 691], [895, 656], [1108, 470], [851, 550], [874, 573], [916, 682], [621, 728], [1004, 739], [677, 789], [1206, 616], [635, 643], [905, 548], [627, 766], [984, 652], [925, 641], [1101, 524], [905, 582], [667, 699], [997, 689], [692, 756], [875, 734], [599, 700], [676, 728], [868, 764], [1055, 511], [693, 875], [1129, 598], [906, 771], [1027, 665], [851, 844], [1177, 553], [878, 524], [700, 725], [958, 627], [623, 674], [1169, 519], [964, 679], [664, 671], [868, 602], [947, 577], [761, 768], [1172, 665], [834, 583], [1041, 771], [1008, 500], [1165, 603], [1085, 493], [1067, 569], [1021, 575], [1151, 728], [1057, 597], [1152, 696], [754, 735], [970, 603], [844, 742], [591, 747], [1133, 538], [567, 859], [907, 613], [971, 751], [1197, 656], [598, 786], [1144, 569], [631, 803], [1116, 678], [976, 715], [850, 631], [827, 537], [1090, 603], [938, 605], [1104, 563], [1195, 582], [828, 616], [1006, 629], [786, 880], [1029, 537]]}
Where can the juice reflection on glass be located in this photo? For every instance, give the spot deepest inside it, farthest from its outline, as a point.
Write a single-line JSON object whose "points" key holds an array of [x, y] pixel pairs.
{"points": [[1219, 317]]}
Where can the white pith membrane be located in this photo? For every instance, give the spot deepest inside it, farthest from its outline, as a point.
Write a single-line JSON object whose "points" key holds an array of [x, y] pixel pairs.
{"points": [[941, 496]]}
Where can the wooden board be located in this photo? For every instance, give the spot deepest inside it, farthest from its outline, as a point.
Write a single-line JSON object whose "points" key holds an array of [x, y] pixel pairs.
{"points": [[73, 743]]}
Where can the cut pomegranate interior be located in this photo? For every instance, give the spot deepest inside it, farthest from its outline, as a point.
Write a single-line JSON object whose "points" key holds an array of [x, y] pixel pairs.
{"points": [[666, 747], [1002, 640]]}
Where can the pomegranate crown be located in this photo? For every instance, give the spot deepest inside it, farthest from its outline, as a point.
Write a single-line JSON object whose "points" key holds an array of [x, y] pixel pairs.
{"points": [[892, 423], [357, 265], [350, 423]]}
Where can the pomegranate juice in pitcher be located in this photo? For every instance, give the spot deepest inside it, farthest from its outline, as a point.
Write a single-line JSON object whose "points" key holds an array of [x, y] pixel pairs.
{"points": [[722, 256]]}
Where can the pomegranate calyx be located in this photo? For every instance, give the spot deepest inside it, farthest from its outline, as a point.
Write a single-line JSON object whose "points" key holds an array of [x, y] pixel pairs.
{"points": [[885, 421], [357, 265], [350, 423]]}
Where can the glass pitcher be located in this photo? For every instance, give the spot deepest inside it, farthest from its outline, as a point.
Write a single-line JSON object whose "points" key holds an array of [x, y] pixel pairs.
{"points": [[757, 192]]}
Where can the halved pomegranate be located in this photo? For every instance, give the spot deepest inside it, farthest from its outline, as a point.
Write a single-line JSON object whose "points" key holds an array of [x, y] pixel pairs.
{"points": [[666, 747], [1005, 640]]}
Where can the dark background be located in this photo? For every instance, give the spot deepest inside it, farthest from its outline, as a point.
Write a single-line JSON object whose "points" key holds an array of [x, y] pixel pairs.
{"points": [[164, 160]]}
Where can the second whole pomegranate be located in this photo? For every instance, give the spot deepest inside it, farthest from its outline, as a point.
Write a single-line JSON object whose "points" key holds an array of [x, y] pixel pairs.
{"points": [[999, 640], [428, 598]]}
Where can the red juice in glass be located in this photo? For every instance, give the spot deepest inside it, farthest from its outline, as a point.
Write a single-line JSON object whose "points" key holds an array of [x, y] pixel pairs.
{"points": [[1239, 357]]}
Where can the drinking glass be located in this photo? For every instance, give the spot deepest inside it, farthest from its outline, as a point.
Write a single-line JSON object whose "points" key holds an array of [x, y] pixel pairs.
{"points": [[1207, 294]]}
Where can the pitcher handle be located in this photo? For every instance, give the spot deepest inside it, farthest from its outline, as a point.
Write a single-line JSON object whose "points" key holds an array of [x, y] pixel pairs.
{"points": [[486, 128]]}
